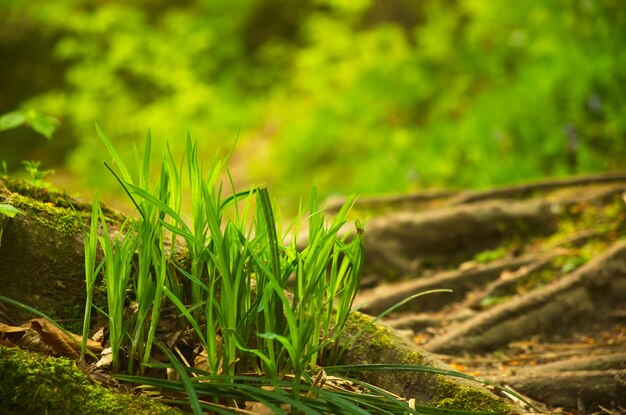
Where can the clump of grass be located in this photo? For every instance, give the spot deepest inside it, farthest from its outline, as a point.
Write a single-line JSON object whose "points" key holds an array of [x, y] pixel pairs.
{"points": [[238, 304], [266, 314]]}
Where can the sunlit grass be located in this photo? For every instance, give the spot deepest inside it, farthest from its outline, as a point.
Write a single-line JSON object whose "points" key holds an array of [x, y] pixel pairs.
{"points": [[237, 299], [91, 269], [267, 314]]}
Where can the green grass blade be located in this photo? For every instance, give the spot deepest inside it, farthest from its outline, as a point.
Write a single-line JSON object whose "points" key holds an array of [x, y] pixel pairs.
{"points": [[181, 307], [156, 307], [113, 152], [373, 367], [189, 387], [125, 187], [91, 247], [160, 205], [271, 230]]}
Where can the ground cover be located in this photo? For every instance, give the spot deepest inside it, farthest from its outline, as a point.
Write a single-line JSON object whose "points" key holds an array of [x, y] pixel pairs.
{"points": [[538, 279], [241, 321]]}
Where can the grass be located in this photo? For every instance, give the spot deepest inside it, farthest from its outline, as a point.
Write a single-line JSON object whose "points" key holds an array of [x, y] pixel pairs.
{"points": [[266, 313], [234, 294]]}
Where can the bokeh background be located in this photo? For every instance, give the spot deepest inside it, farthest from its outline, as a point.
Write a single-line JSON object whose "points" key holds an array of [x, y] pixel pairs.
{"points": [[367, 96]]}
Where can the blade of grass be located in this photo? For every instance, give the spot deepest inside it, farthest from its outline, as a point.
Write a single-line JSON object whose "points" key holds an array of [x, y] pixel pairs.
{"points": [[185, 312], [189, 387], [389, 310], [118, 254], [91, 271], [373, 367], [113, 152], [156, 308]]}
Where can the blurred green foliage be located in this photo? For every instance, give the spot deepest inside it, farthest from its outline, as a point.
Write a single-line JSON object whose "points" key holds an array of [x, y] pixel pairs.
{"points": [[40, 123], [367, 95]]}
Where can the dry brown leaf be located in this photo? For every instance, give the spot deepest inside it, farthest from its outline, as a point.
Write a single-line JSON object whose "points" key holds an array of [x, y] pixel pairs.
{"points": [[98, 336], [106, 358], [201, 361], [6, 329], [41, 335], [260, 409], [7, 343]]}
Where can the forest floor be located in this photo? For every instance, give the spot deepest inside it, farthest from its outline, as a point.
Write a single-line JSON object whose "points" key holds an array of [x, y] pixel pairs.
{"points": [[537, 275], [538, 280]]}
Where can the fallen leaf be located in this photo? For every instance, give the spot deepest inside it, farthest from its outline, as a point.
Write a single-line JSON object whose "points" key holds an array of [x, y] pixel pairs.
{"points": [[98, 336], [105, 358], [201, 361], [258, 408], [42, 335]]}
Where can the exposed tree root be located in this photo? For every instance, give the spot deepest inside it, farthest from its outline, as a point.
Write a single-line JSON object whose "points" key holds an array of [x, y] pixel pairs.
{"points": [[533, 290], [526, 190], [42, 252], [571, 389], [507, 281], [408, 200], [372, 343], [398, 201], [567, 301], [461, 282], [615, 361], [397, 244]]}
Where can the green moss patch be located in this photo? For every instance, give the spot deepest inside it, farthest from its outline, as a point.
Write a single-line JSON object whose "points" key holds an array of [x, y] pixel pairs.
{"points": [[35, 384], [453, 395], [379, 344]]}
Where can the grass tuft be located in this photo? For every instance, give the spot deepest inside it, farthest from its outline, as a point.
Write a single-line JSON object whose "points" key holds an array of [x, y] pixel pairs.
{"points": [[266, 314], [234, 294]]}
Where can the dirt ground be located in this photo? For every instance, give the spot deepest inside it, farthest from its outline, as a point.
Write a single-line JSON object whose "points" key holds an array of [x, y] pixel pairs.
{"points": [[535, 273], [538, 280]]}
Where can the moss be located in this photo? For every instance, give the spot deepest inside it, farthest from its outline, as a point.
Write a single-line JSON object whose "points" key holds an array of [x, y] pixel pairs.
{"points": [[35, 384], [379, 344], [41, 258], [609, 220], [455, 395], [35, 273], [60, 219], [377, 337], [490, 255], [52, 199], [492, 300], [415, 358], [34, 192]]}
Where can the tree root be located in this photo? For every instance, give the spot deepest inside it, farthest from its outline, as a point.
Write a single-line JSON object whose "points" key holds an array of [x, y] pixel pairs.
{"points": [[576, 296], [396, 244], [526, 190], [571, 389], [461, 282]]}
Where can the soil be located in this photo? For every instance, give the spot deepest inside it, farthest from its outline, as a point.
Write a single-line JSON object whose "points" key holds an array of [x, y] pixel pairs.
{"points": [[538, 274]]}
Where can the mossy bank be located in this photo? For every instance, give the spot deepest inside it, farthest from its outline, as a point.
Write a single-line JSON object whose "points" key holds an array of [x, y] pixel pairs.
{"points": [[42, 253], [35, 384], [375, 343]]}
